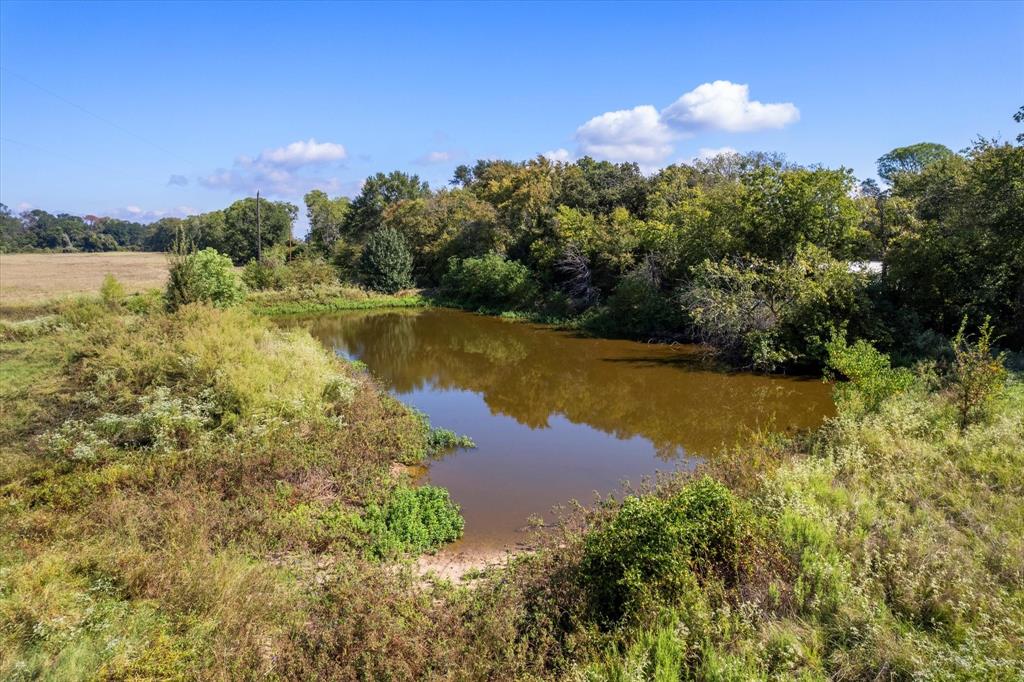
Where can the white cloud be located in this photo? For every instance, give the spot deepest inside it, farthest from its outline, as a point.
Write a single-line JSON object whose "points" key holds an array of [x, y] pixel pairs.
{"points": [[705, 153], [646, 135], [297, 154], [558, 155], [23, 206], [179, 180], [140, 215], [277, 172], [636, 134], [723, 105], [431, 158]]}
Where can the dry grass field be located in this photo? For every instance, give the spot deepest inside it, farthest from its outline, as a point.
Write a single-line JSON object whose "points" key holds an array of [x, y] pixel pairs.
{"points": [[27, 278]]}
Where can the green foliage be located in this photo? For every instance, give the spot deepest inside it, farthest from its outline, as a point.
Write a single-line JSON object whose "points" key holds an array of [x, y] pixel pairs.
{"points": [[871, 378], [203, 277], [377, 193], [413, 520], [386, 263], [488, 282], [960, 251], [911, 159], [326, 219], [442, 440], [648, 553], [637, 306], [242, 233], [276, 272], [769, 313], [112, 291], [260, 276], [978, 375]]}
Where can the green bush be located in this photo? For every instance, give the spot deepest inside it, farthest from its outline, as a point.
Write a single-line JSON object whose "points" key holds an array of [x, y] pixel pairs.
{"points": [[386, 262], [112, 291], [772, 313], [413, 520], [309, 271], [652, 549], [488, 282], [636, 307], [871, 378], [442, 440], [978, 377], [203, 277], [260, 276]]}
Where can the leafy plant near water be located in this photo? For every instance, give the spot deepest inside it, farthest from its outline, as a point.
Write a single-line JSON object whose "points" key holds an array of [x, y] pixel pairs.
{"points": [[870, 377], [490, 281], [413, 520], [203, 277], [649, 553]]}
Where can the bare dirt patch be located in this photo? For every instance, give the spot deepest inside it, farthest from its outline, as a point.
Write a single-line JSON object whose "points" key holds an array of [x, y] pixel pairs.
{"points": [[457, 565], [37, 277]]}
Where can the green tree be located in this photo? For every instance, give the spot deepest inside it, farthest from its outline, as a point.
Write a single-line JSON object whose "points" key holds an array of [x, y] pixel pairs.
{"points": [[963, 254], [378, 192], [326, 219], [239, 239], [448, 223], [161, 234], [386, 263], [910, 159]]}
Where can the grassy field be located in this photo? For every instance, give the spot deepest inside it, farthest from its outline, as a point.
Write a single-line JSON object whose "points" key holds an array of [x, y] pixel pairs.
{"points": [[27, 278]]}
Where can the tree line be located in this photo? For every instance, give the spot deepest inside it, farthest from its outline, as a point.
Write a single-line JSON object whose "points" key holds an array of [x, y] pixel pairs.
{"points": [[765, 259]]}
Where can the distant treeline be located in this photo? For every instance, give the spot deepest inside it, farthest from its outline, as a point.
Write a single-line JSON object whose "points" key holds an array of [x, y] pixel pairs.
{"points": [[762, 258], [232, 231], [37, 230]]}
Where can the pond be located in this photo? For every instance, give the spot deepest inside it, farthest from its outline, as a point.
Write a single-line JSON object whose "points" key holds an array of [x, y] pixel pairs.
{"points": [[557, 416]]}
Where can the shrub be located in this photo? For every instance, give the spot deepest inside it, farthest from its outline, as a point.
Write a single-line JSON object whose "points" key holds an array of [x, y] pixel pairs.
{"points": [[871, 378], [771, 313], [203, 277], [112, 291], [260, 276], [309, 271], [442, 440], [636, 307], [649, 552], [413, 520], [386, 262], [491, 281], [978, 377]]}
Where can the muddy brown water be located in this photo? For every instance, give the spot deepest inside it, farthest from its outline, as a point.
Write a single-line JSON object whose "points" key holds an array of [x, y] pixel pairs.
{"points": [[557, 416]]}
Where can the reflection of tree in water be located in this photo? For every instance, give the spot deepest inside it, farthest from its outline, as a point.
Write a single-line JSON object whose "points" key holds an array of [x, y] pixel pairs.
{"points": [[532, 373]]}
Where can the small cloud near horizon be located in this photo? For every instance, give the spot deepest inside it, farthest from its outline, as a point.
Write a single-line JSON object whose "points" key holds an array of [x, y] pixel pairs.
{"points": [[646, 135], [177, 180], [277, 171], [436, 157]]}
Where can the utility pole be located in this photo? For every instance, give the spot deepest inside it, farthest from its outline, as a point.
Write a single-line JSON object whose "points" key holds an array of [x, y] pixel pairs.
{"points": [[259, 231]]}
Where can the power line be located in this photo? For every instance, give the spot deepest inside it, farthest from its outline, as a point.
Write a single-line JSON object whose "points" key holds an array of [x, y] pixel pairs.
{"points": [[44, 150], [95, 115]]}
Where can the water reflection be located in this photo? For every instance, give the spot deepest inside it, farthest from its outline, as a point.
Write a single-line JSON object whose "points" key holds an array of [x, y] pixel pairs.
{"points": [[557, 416]]}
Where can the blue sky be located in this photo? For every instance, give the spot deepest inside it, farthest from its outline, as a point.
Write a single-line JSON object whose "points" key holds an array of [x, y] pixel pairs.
{"points": [[150, 109]]}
